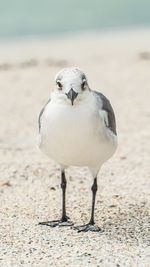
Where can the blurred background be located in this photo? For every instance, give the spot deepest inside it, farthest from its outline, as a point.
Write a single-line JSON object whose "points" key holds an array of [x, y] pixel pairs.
{"points": [[110, 41], [20, 18]]}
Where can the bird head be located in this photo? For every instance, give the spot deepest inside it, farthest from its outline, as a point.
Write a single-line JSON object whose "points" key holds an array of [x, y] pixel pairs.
{"points": [[71, 85]]}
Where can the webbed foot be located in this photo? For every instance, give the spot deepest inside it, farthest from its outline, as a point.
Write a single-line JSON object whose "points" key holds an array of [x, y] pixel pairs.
{"points": [[55, 223], [88, 227]]}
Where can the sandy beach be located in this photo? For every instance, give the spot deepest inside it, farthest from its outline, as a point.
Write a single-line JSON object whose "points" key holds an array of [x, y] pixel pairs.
{"points": [[118, 65]]}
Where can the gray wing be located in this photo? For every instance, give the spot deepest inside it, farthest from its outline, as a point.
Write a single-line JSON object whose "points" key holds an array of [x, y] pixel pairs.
{"points": [[41, 113], [108, 108]]}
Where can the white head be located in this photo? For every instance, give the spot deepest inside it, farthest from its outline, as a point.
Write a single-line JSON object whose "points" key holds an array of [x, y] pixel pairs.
{"points": [[71, 85]]}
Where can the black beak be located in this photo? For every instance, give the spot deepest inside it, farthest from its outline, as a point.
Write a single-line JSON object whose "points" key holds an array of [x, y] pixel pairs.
{"points": [[72, 95]]}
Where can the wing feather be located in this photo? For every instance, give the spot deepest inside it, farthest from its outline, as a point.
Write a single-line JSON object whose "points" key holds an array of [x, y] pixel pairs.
{"points": [[41, 113], [105, 105]]}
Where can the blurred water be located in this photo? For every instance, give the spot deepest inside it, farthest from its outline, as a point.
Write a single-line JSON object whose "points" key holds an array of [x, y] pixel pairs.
{"points": [[46, 17]]}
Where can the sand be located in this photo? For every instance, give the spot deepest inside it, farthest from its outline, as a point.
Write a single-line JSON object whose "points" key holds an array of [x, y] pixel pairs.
{"points": [[118, 65]]}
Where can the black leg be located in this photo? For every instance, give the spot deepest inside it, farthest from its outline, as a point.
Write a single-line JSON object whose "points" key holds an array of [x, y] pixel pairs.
{"points": [[64, 219], [91, 225], [63, 186], [94, 190]]}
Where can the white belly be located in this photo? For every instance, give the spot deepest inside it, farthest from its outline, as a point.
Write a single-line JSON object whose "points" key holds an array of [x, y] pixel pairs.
{"points": [[74, 135]]}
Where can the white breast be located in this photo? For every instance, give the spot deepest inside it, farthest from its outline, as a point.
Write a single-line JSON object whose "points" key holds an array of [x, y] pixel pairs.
{"points": [[75, 135]]}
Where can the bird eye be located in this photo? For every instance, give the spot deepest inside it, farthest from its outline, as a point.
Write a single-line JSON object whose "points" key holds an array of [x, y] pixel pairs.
{"points": [[83, 85], [59, 85]]}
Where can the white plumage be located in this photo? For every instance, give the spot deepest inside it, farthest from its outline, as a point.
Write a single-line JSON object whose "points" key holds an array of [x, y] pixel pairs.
{"points": [[76, 135]]}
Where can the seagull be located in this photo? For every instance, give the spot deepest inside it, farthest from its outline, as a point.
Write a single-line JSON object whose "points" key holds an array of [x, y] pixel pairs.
{"points": [[77, 127]]}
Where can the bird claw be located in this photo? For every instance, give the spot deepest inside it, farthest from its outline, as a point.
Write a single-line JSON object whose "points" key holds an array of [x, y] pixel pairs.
{"points": [[88, 227], [57, 223]]}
